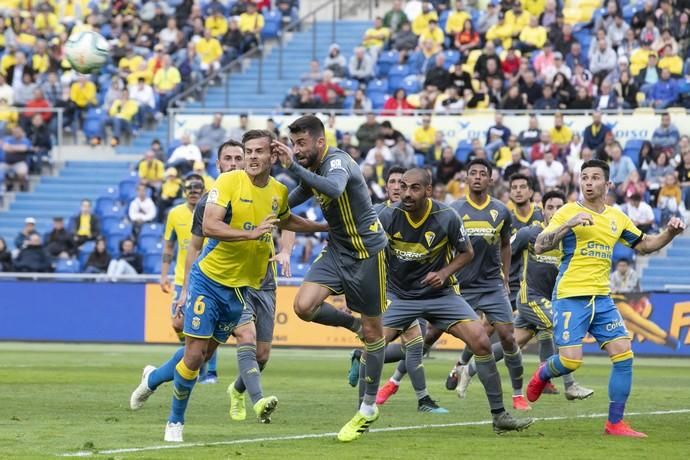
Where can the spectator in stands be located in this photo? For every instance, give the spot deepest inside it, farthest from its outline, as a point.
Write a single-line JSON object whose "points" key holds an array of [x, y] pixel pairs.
{"points": [[16, 72], [142, 93], [602, 59], [23, 91], [327, 84], [397, 104], [547, 101], [85, 224], [210, 52], [368, 132], [448, 166], [649, 75], [5, 257], [166, 81], [576, 56], [624, 278], [594, 134], [616, 30], [639, 212], [531, 135], [372, 181], [670, 198], [236, 132], [170, 35], [211, 135], [216, 23], [395, 17], [671, 61], [582, 100], [549, 172], [517, 162], [376, 37], [184, 156], [632, 185], [404, 39], [503, 155], [501, 33], [539, 150], [200, 169], [251, 23], [664, 93], [231, 41], [424, 137], [335, 61], [532, 37], [499, 129], [82, 97], [361, 102], [306, 99], [32, 258], [435, 151], [171, 189], [467, 39], [489, 54], [437, 75], [683, 168], [529, 88], [666, 136], [17, 149], [288, 11], [128, 262], [440, 193], [607, 99], [59, 242], [142, 210], [151, 171], [99, 259], [24, 234], [403, 153], [6, 91], [560, 134], [361, 65], [37, 105], [122, 113], [379, 148], [627, 90]]}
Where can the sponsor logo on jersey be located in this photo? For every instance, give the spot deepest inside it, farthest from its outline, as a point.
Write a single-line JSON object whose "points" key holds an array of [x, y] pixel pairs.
{"points": [[398, 235], [466, 217], [245, 200]]}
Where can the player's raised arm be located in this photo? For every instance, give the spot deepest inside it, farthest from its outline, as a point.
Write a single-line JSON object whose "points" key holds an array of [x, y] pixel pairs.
{"points": [[519, 241], [652, 243], [299, 195], [332, 183], [555, 232]]}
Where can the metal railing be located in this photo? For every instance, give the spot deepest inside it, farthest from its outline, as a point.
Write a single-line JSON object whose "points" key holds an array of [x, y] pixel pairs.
{"points": [[56, 153], [104, 278]]}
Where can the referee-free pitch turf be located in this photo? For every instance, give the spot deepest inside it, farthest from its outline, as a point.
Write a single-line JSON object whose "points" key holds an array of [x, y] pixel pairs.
{"points": [[62, 399]]}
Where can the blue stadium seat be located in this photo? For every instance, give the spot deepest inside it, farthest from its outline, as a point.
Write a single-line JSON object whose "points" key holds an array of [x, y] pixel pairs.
{"points": [[108, 224], [621, 251], [348, 102], [377, 86], [396, 76], [629, 11], [463, 150], [104, 203], [452, 58], [111, 192], [411, 84], [657, 216], [152, 263], [120, 227], [113, 242], [272, 21], [67, 266], [443, 19], [155, 249], [416, 61], [299, 270], [93, 123], [128, 190], [350, 86], [419, 159], [148, 243], [385, 62], [153, 229], [115, 211], [87, 247], [378, 100]]}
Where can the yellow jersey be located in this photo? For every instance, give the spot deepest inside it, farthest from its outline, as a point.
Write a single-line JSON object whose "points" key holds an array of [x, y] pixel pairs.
{"points": [[561, 136], [243, 263], [178, 227], [421, 22], [674, 64], [166, 79], [586, 262], [209, 50], [153, 171], [250, 23], [217, 25], [83, 95], [456, 22]]}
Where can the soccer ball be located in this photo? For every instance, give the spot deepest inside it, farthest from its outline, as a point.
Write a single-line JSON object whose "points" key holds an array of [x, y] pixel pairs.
{"points": [[87, 51]]}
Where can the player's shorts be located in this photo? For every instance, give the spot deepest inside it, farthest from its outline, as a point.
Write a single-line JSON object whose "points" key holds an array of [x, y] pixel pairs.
{"points": [[441, 312], [363, 281], [212, 310], [575, 316], [494, 304], [176, 297], [535, 315], [513, 297], [260, 307]]}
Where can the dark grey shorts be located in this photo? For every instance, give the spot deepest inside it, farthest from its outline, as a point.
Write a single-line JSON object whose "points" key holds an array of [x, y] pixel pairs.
{"points": [[363, 281], [494, 304], [260, 307], [535, 315], [441, 312]]}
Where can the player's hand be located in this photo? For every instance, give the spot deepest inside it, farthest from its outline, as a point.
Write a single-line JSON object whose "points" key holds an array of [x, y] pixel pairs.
{"points": [[675, 226], [266, 226], [506, 284], [283, 258], [582, 218], [165, 283], [285, 153], [434, 279], [178, 317]]}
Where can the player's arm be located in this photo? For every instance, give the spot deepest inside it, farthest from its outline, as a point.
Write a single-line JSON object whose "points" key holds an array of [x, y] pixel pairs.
{"points": [[214, 226], [554, 233], [166, 259], [332, 184], [519, 241], [287, 243], [299, 224], [651, 243], [299, 195], [506, 256]]}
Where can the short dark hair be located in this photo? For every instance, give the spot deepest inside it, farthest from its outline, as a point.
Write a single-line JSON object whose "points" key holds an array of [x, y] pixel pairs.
{"points": [[193, 175], [635, 197], [552, 194], [257, 134], [307, 124], [229, 143], [623, 259], [395, 170], [482, 162], [520, 176], [424, 173], [604, 166]]}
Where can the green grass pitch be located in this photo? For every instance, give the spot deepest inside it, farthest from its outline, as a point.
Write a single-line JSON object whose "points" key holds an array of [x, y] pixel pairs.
{"points": [[59, 399]]}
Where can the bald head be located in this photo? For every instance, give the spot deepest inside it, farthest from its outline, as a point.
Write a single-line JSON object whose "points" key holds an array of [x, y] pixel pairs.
{"points": [[418, 176]]}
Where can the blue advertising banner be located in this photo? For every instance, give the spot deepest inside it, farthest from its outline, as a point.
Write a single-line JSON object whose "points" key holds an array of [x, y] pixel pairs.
{"points": [[71, 312]]}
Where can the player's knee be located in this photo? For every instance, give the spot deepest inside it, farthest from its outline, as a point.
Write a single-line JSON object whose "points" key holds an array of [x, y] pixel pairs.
{"points": [[304, 308], [480, 344], [262, 354], [245, 335]]}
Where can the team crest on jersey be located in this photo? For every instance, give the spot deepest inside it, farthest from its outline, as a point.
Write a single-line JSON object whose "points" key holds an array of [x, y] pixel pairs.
{"points": [[614, 227], [274, 205], [566, 336], [494, 214], [429, 237], [196, 323], [213, 195]]}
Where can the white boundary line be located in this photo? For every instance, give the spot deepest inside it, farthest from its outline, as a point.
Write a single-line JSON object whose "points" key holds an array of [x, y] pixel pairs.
{"points": [[330, 435]]}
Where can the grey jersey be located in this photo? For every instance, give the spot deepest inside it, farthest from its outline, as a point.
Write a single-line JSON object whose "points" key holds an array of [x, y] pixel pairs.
{"points": [[414, 250], [269, 282], [535, 216], [539, 271], [486, 226], [340, 188]]}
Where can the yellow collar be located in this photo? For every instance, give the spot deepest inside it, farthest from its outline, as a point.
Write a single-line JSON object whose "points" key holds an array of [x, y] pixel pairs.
{"points": [[424, 217], [479, 207]]}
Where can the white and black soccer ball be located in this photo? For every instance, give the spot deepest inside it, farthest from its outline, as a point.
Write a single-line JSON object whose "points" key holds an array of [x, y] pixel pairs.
{"points": [[87, 51]]}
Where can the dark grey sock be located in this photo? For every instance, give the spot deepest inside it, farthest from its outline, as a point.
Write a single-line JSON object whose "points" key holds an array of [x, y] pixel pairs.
{"points": [[546, 346], [362, 378], [239, 383], [466, 356], [496, 349], [328, 315], [375, 354], [400, 371], [488, 375], [249, 370], [514, 364], [394, 353], [413, 361]]}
